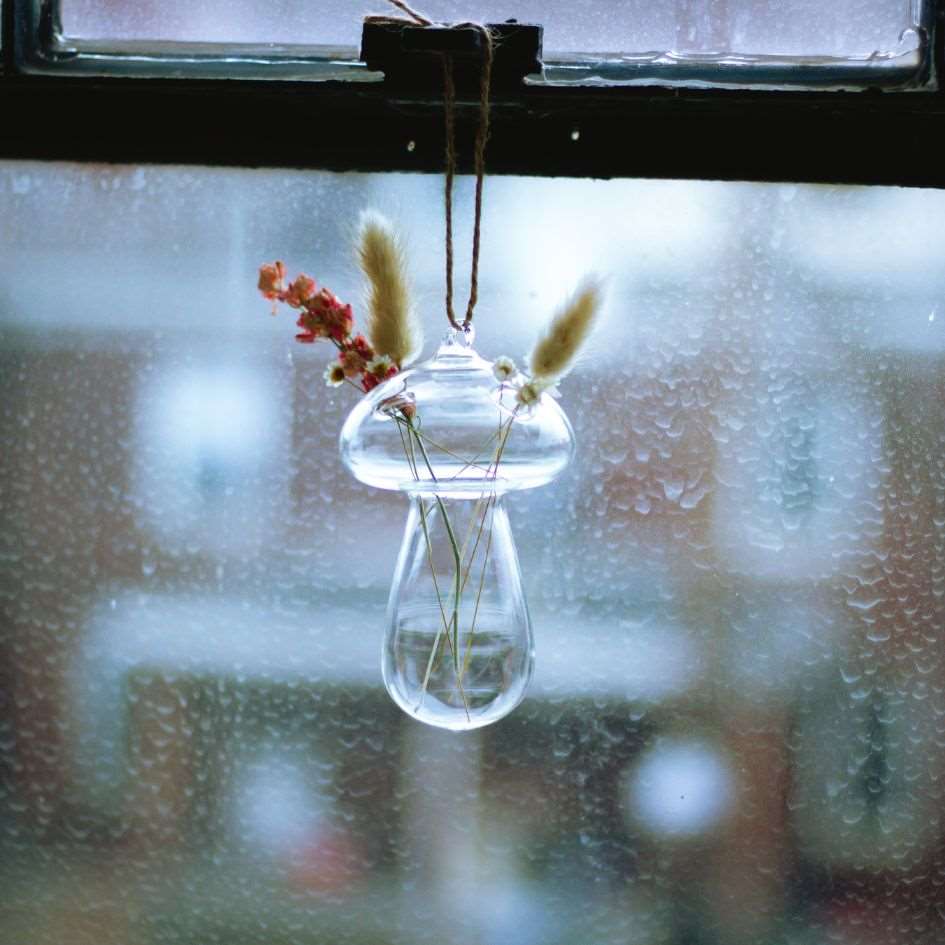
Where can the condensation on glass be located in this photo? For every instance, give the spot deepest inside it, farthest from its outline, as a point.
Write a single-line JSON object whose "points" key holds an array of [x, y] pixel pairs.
{"points": [[736, 730], [809, 30]]}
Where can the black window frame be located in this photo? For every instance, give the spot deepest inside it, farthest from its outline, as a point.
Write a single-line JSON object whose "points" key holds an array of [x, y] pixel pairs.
{"points": [[864, 136]]}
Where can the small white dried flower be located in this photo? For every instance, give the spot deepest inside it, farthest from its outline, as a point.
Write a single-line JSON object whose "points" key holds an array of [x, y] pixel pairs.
{"points": [[379, 366], [504, 368], [529, 393], [335, 374]]}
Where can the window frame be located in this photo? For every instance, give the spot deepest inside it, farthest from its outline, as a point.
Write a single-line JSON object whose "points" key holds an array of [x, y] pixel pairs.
{"points": [[869, 136]]}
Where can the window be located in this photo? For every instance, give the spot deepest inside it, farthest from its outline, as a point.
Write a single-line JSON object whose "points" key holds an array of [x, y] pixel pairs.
{"points": [[735, 730], [740, 42]]}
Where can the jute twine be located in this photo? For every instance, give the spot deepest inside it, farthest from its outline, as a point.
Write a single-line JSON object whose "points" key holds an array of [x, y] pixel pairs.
{"points": [[479, 154]]}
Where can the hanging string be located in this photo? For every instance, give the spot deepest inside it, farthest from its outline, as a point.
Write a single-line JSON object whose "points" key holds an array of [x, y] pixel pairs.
{"points": [[479, 165], [449, 122], [479, 154]]}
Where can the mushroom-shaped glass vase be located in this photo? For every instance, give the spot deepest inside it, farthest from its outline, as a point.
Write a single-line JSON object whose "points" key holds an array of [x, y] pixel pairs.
{"points": [[458, 650]]}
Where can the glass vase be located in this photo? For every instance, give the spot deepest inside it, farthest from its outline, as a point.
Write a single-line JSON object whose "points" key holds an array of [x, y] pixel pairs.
{"points": [[458, 651]]}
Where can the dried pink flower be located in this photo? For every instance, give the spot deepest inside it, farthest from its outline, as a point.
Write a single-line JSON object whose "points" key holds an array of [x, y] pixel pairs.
{"points": [[300, 291], [271, 280]]}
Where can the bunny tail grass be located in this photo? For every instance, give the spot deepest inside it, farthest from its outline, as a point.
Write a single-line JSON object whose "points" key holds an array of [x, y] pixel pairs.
{"points": [[392, 327], [568, 330]]}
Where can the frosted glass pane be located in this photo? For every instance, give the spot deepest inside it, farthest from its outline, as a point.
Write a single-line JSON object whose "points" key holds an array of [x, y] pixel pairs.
{"points": [[847, 28], [735, 733]]}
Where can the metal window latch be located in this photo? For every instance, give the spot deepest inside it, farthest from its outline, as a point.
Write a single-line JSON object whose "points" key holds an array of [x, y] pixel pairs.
{"points": [[411, 55]]}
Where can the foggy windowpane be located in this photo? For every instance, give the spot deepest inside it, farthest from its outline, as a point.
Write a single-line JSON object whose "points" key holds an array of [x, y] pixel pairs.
{"points": [[735, 733]]}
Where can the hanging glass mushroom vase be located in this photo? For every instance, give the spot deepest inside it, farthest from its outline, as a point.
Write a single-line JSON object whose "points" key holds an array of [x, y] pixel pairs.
{"points": [[455, 433], [455, 436]]}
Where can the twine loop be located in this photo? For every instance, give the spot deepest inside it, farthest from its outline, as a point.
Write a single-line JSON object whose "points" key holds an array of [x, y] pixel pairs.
{"points": [[479, 153]]}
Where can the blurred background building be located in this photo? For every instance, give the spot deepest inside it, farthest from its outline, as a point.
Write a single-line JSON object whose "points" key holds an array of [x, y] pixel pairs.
{"points": [[737, 728]]}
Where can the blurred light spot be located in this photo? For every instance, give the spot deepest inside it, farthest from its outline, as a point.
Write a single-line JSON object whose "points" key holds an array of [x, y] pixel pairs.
{"points": [[549, 239], [274, 809], [218, 414], [211, 442], [680, 788]]}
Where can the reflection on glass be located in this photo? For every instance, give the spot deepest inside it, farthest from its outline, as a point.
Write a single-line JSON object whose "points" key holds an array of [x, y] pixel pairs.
{"points": [[737, 588]]}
